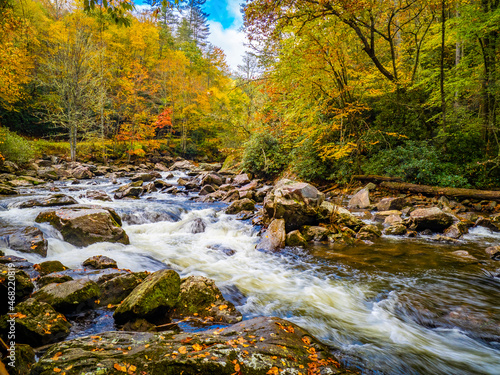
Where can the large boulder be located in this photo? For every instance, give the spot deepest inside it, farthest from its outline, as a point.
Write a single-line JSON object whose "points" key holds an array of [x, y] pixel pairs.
{"points": [[99, 195], [85, 225], [36, 323], [49, 266], [114, 290], [28, 240], [200, 297], [50, 201], [295, 202], [99, 262], [145, 176], [212, 179], [274, 237], [82, 172], [182, 165], [430, 218], [295, 238], [258, 346], [152, 299], [23, 288], [239, 205], [131, 190], [388, 204], [360, 200], [71, 296]]}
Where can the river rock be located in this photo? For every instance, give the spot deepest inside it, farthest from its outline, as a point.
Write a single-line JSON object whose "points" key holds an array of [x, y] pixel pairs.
{"points": [[24, 360], [49, 267], [152, 299], [37, 324], [85, 225], [295, 202], [456, 230], [392, 220], [131, 190], [7, 190], [231, 196], [344, 218], [258, 346], [99, 195], [50, 201], [82, 173], [52, 278], [210, 166], [360, 200], [28, 240], [369, 233], [212, 179], [207, 189], [160, 184], [382, 215], [198, 225], [161, 167], [48, 173], [71, 296], [183, 165], [493, 252], [396, 230], [295, 238], [145, 177], [24, 286], [430, 218], [274, 237], [241, 179], [200, 297], [116, 289], [241, 205], [389, 204], [8, 166], [99, 262], [315, 233]]}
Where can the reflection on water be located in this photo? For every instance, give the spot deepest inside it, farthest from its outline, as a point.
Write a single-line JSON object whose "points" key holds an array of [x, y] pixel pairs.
{"points": [[399, 306]]}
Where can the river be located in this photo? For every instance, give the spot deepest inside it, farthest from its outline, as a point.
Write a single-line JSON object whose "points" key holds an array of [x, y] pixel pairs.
{"points": [[399, 306]]}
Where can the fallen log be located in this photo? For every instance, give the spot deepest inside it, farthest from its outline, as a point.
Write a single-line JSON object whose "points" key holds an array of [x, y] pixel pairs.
{"points": [[375, 178], [436, 190]]}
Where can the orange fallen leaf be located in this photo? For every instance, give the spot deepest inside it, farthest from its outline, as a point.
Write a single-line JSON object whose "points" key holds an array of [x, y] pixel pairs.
{"points": [[57, 369], [222, 307], [306, 340], [197, 347], [120, 367], [56, 356], [182, 350], [273, 371], [237, 367]]}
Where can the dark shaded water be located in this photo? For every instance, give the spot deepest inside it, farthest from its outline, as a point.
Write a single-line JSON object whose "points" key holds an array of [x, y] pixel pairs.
{"points": [[400, 306]]}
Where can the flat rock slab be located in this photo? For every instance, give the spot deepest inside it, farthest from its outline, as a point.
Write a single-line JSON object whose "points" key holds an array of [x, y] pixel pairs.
{"points": [[258, 346], [85, 225], [50, 201]]}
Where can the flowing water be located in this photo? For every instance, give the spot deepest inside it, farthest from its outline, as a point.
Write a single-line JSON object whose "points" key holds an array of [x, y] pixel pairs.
{"points": [[399, 306]]}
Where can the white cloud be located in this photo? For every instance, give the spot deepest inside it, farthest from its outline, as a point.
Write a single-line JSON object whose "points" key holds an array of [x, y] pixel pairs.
{"points": [[231, 40]]}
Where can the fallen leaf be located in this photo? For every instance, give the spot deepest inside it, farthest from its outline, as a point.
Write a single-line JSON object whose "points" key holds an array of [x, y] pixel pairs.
{"points": [[237, 367], [306, 340], [222, 307], [182, 350], [56, 356], [197, 347], [57, 369], [120, 367], [273, 371]]}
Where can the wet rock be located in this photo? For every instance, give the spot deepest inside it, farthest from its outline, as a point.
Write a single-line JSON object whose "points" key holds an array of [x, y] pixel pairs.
{"points": [[198, 225], [212, 179], [295, 202], [139, 325], [258, 346], [327, 210], [360, 200], [430, 218], [152, 299], [295, 238], [315, 233], [344, 218], [246, 194], [182, 165], [182, 181], [244, 215], [463, 254], [493, 252], [369, 233], [161, 167], [24, 360], [274, 237], [207, 189], [99, 195], [8, 166], [52, 278], [28, 240], [145, 177], [241, 179], [37, 324], [231, 196], [392, 220], [131, 190], [396, 230], [85, 225], [160, 184], [456, 230], [24, 286], [241, 205], [389, 204], [116, 289], [50, 266], [50, 201], [71, 296], [149, 188], [200, 297], [99, 262], [382, 215], [82, 172], [48, 173]]}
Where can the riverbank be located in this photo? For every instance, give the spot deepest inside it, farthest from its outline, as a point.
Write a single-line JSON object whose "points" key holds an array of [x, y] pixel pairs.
{"points": [[285, 212]]}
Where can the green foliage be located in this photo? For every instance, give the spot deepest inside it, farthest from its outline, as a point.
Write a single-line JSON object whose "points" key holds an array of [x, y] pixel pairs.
{"points": [[49, 147], [264, 156], [307, 164], [416, 162], [14, 147]]}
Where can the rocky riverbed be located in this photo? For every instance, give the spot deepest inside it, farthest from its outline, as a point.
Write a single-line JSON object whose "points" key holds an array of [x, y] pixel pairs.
{"points": [[198, 259]]}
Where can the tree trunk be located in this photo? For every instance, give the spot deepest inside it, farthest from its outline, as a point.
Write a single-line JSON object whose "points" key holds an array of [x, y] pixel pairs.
{"points": [[437, 191]]}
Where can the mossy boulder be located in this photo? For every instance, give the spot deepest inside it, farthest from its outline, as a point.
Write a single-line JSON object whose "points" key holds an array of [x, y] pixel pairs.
{"points": [[50, 266], [24, 286], [199, 296], [24, 360], [396, 230], [71, 296], [153, 299], [315, 233], [295, 238], [7, 190], [52, 278], [116, 289], [239, 205], [85, 225], [258, 346], [37, 324], [369, 232]]}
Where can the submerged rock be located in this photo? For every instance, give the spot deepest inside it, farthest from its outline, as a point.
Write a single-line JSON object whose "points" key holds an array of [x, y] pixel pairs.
{"points": [[37, 324], [85, 225], [258, 346], [152, 299]]}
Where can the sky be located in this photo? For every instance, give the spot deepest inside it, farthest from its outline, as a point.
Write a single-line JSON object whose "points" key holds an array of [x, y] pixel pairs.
{"points": [[225, 21]]}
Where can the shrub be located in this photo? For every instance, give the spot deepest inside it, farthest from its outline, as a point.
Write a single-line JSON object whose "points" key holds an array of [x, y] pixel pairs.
{"points": [[263, 156], [14, 147]]}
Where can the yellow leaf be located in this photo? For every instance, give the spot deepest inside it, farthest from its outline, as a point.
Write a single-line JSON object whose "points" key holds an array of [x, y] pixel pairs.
{"points": [[197, 347], [56, 356], [182, 350], [222, 307], [56, 369], [120, 367], [237, 367], [273, 371]]}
